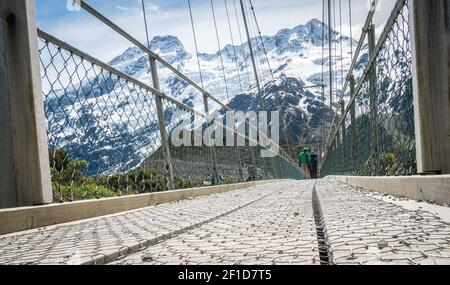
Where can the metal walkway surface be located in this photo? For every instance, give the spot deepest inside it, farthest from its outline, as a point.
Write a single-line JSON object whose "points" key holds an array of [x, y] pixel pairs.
{"points": [[291, 222]]}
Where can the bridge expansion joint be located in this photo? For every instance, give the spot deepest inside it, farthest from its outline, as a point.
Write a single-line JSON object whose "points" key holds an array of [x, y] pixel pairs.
{"points": [[325, 253]]}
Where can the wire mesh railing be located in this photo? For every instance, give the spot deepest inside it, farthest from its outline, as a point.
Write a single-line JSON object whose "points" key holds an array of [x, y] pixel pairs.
{"points": [[375, 135], [105, 139], [101, 128], [190, 161]]}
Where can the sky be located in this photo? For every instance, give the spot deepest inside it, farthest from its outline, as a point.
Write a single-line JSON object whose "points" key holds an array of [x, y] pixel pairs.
{"points": [[171, 17]]}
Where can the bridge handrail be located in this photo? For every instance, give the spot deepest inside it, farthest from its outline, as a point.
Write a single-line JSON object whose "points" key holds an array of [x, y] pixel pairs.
{"points": [[52, 39], [144, 48], [387, 28], [151, 91], [155, 56], [355, 59]]}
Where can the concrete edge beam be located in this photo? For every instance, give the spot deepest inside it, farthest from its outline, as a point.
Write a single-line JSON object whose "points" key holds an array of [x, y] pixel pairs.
{"points": [[27, 218], [434, 189]]}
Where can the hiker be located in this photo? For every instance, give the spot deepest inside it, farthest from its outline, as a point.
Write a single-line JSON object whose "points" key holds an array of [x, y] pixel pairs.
{"points": [[313, 164], [303, 161], [251, 172]]}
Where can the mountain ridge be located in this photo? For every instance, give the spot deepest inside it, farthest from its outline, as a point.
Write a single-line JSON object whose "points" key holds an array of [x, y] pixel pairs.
{"points": [[293, 53]]}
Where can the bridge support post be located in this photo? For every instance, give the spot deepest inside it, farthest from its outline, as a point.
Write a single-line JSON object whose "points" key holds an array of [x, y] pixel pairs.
{"points": [[338, 140], [333, 156], [279, 166], [274, 170], [353, 123], [215, 178], [238, 152], [284, 173], [238, 155], [266, 166], [343, 127], [162, 127], [253, 160], [373, 103], [343, 133], [24, 159], [430, 35], [232, 139]]}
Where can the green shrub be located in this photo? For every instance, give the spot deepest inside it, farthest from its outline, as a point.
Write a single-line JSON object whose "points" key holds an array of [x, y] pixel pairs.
{"points": [[69, 183]]}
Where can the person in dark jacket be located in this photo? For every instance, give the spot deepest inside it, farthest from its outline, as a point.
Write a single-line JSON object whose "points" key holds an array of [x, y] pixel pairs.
{"points": [[251, 172], [313, 164]]}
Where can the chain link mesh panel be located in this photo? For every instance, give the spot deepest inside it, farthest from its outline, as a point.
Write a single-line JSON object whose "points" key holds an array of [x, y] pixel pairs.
{"points": [[191, 161], [101, 129], [381, 140], [105, 140]]}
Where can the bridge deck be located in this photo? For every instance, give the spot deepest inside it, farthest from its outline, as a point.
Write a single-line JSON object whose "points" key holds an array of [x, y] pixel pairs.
{"points": [[270, 224]]}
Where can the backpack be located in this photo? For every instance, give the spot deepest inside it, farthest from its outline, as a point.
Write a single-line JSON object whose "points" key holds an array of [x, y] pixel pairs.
{"points": [[313, 160]]}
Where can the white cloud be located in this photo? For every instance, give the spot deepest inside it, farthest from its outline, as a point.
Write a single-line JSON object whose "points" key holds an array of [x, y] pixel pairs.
{"points": [[154, 9], [89, 35], [125, 9]]}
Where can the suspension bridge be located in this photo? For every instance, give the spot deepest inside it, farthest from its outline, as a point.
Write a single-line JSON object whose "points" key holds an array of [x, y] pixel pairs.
{"points": [[89, 173]]}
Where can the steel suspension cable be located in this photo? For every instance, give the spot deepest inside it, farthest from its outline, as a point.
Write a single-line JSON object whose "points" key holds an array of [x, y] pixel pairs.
{"points": [[330, 55], [272, 76], [196, 44], [336, 72], [262, 41], [351, 26], [146, 50], [323, 41], [242, 43], [254, 37], [252, 57], [145, 22], [259, 95], [322, 115], [342, 48], [220, 51], [259, 56], [234, 47], [255, 46]]}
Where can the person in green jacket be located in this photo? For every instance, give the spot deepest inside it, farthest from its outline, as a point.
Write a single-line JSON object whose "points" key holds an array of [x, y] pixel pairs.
{"points": [[303, 161]]}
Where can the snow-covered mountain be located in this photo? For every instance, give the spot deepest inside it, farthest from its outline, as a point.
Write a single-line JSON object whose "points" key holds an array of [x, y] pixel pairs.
{"points": [[293, 53], [99, 120]]}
